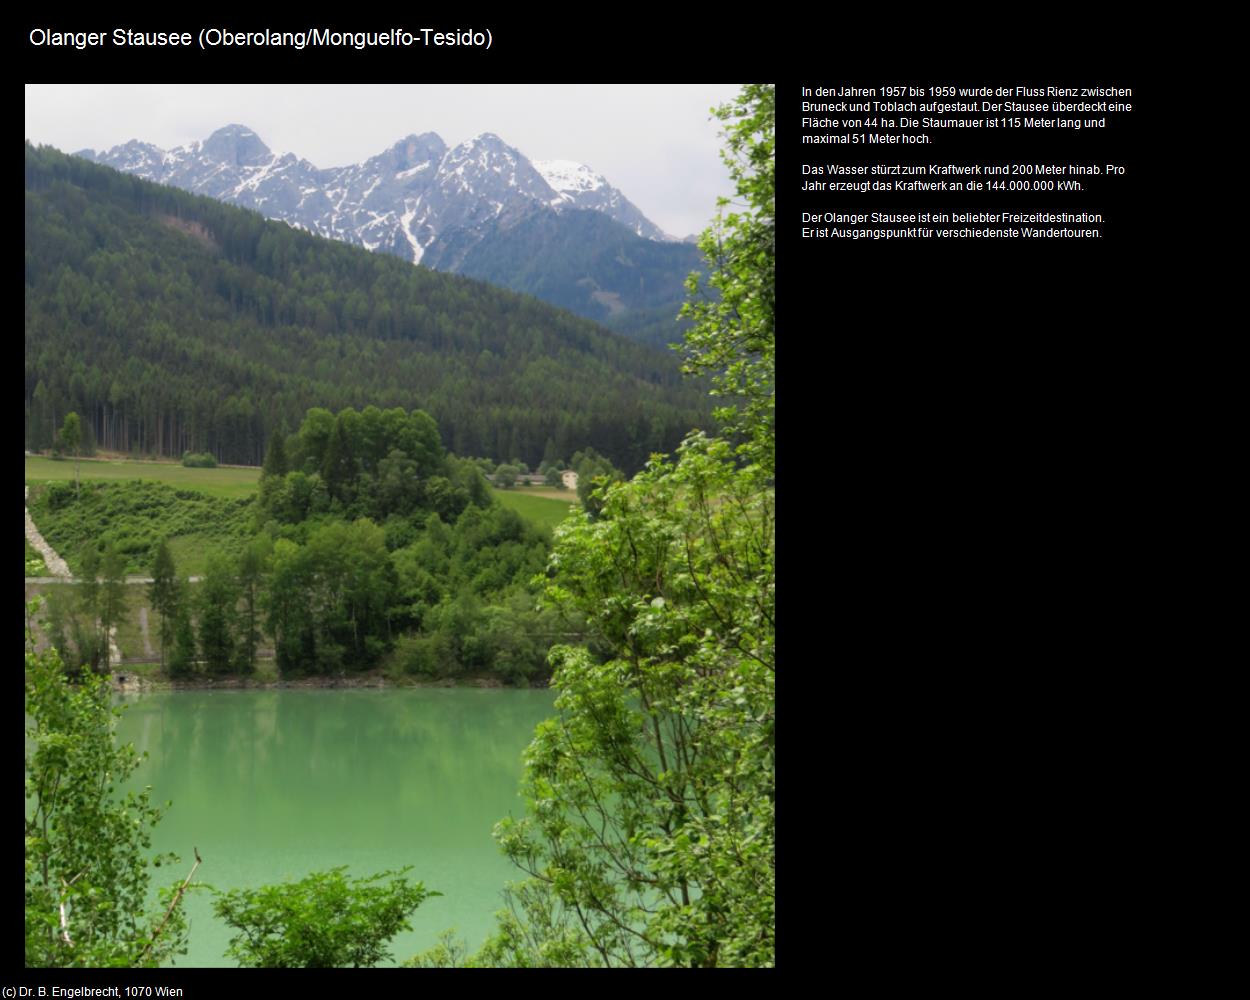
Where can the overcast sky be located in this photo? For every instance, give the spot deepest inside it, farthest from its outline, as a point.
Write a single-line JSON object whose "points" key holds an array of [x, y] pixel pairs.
{"points": [[657, 143]]}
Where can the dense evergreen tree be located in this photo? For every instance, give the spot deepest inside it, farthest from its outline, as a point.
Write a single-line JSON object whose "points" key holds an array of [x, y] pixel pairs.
{"points": [[275, 455], [39, 431], [70, 440]]}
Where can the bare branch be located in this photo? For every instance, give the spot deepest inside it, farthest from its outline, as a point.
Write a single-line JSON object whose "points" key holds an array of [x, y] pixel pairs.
{"points": [[173, 903]]}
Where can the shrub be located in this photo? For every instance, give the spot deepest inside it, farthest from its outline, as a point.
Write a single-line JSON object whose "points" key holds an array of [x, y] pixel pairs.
{"points": [[427, 655], [59, 495], [199, 460], [321, 922]]}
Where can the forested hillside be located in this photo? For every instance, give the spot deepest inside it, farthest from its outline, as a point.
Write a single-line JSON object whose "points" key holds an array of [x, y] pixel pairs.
{"points": [[588, 263], [172, 322]]}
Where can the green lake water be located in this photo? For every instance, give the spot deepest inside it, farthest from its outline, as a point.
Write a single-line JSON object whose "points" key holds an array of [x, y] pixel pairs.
{"points": [[272, 785]]}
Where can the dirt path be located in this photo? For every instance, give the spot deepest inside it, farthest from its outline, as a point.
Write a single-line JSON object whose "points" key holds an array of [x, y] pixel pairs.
{"points": [[56, 565]]}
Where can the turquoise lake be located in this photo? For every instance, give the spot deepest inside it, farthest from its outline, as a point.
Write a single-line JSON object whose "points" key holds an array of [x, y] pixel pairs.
{"points": [[272, 785]]}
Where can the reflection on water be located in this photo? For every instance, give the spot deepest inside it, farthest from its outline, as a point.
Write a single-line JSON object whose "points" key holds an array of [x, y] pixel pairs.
{"points": [[275, 784]]}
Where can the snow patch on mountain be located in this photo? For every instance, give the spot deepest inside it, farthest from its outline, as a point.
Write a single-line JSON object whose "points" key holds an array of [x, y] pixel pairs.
{"points": [[566, 176]]}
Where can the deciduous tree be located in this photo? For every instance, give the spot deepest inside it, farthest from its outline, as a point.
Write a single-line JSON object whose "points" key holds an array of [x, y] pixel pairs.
{"points": [[323, 921], [252, 567], [649, 834], [217, 599], [505, 476], [163, 594], [594, 472], [182, 659], [87, 867], [733, 334], [649, 838]]}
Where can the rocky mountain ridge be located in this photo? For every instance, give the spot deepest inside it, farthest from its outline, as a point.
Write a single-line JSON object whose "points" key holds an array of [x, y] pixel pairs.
{"points": [[398, 202]]}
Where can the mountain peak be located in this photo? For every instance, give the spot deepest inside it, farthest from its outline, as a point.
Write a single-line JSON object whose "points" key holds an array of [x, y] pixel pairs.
{"points": [[415, 149], [488, 144], [567, 176], [423, 138], [132, 156], [236, 145], [577, 186]]}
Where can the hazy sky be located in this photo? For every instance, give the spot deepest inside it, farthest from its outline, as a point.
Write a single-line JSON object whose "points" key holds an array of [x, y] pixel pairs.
{"points": [[657, 143]]}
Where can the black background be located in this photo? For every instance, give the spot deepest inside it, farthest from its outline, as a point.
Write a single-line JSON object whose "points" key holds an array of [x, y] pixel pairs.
{"points": [[962, 429]]}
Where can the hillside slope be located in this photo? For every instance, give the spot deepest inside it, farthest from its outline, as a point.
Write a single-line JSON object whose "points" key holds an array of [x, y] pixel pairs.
{"points": [[172, 322], [585, 262], [449, 208]]}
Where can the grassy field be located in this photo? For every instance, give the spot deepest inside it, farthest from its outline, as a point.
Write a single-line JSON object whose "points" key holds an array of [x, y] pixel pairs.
{"points": [[542, 510], [134, 515], [551, 492], [229, 483]]}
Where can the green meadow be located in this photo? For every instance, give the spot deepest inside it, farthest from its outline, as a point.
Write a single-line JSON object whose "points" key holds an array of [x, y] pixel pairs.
{"points": [[231, 483], [546, 512]]}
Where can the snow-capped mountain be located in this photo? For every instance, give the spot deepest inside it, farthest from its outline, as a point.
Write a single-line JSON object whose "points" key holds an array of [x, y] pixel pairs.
{"points": [[397, 202], [580, 187]]}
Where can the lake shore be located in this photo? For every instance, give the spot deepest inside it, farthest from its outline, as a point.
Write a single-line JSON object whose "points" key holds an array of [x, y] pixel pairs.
{"points": [[133, 683]]}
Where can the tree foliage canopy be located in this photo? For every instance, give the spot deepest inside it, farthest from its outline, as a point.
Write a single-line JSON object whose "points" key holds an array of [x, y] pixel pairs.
{"points": [[87, 869], [651, 796], [649, 838], [323, 921], [733, 337]]}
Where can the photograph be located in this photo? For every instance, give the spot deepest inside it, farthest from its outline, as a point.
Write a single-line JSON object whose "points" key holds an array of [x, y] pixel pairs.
{"points": [[399, 524]]}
